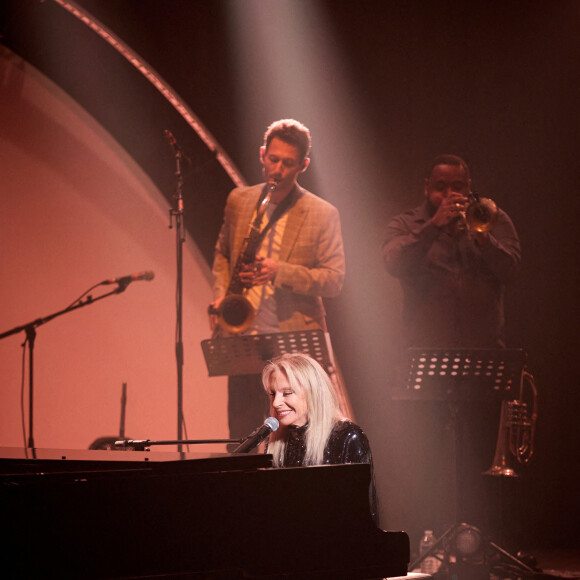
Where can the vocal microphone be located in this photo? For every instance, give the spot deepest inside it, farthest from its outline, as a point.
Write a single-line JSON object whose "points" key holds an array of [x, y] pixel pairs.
{"points": [[124, 280], [256, 437]]}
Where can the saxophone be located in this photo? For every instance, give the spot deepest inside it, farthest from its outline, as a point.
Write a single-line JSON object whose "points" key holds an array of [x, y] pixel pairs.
{"points": [[236, 313]]}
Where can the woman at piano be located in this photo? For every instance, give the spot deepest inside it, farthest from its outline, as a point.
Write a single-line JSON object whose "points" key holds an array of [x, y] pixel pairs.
{"points": [[312, 430]]}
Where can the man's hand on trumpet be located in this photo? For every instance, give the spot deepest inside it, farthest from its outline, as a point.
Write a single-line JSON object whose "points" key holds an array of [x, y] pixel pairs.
{"points": [[449, 210]]}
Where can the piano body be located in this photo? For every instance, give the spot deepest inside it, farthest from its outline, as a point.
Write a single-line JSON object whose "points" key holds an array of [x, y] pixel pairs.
{"points": [[137, 514]]}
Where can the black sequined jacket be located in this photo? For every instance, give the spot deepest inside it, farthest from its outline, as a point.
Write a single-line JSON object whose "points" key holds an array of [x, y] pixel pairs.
{"points": [[347, 444]]}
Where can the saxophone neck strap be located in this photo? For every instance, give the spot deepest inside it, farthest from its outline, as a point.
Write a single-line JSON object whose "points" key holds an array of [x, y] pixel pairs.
{"points": [[278, 212]]}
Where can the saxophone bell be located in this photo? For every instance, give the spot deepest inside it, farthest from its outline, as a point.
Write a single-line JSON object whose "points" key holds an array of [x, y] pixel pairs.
{"points": [[234, 314]]}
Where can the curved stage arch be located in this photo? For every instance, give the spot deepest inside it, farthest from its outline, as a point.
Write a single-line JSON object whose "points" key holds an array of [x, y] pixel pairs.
{"points": [[77, 209], [159, 83]]}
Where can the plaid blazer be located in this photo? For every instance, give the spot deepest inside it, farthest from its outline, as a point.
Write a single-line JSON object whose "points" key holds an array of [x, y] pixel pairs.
{"points": [[311, 263]]}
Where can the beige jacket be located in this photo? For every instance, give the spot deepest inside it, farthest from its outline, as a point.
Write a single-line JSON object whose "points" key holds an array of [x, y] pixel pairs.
{"points": [[311, 264]]}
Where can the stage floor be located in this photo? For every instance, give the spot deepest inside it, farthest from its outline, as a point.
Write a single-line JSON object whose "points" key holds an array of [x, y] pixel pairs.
{"points": [[559, 563], [553, 563]]}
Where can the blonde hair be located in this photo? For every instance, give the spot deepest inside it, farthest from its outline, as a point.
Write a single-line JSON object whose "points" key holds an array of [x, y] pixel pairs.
{"points": [[306, 376]]}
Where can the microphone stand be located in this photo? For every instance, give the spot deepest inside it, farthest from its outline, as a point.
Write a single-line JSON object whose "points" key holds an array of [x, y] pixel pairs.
{"points": [[30, 329], [177, 213]]}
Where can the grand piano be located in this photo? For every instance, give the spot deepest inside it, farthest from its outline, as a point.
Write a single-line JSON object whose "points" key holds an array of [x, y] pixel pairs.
{"points": [[139, 514]]}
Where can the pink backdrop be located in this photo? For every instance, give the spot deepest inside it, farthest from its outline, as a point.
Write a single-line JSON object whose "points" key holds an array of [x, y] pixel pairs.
{"points": [[76, 210]]}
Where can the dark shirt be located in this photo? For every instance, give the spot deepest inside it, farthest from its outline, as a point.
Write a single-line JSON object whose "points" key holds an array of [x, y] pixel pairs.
{"points": [[453, 287]]}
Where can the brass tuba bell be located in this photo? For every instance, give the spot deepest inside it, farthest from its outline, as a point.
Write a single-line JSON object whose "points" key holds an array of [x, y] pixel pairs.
{"points": [[515, 438]]}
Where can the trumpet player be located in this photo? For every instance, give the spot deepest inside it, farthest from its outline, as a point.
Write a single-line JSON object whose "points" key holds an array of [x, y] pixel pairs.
{"points": [[299, 259], [454, 256]]}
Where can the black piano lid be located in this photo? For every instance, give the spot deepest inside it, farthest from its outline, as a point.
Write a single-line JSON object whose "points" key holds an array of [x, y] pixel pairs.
{"points": [[168, 517], [16, 461]]}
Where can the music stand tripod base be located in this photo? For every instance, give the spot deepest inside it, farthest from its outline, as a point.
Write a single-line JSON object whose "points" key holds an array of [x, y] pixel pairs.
{"points": [[450, 550]]}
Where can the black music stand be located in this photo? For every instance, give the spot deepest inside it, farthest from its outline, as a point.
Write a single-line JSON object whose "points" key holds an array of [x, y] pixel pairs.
{"points": [[248, 354], [458, 375]]}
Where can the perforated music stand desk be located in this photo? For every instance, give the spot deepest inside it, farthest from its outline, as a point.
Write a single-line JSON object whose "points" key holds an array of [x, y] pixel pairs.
{"points": [[462, 374], [248, 354], [458, 376]]}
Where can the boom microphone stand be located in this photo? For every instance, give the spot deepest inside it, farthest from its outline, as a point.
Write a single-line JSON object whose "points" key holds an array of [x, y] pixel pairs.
{"points": [[30, 330]]}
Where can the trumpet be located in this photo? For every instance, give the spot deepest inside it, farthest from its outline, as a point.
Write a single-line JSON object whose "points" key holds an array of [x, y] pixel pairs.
{"points": [[479, 215], [235, 312], [515, 438]]}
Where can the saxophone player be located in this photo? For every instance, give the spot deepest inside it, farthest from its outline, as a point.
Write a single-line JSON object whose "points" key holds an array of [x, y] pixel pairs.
{"points": [[299, 261]]}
